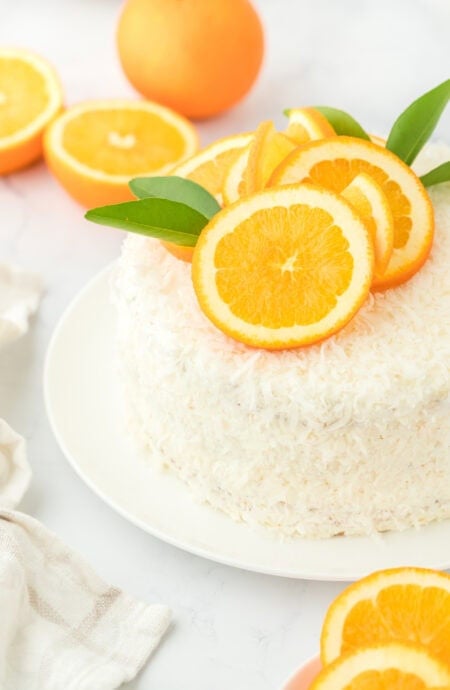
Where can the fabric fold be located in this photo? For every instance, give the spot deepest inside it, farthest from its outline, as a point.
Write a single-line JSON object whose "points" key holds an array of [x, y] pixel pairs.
{"points": [[62, 627], [20, 293]]}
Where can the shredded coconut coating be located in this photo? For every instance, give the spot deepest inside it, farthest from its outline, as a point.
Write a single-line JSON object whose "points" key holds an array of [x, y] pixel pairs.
{"points": [[351, 436]]}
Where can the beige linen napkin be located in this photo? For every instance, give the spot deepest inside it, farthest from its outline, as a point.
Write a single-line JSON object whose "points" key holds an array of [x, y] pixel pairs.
{"points": [[61, 626], [20, 292]]}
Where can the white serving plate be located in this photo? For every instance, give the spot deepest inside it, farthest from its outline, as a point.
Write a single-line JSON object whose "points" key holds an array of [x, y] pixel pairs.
{"points": [[81, 396]]}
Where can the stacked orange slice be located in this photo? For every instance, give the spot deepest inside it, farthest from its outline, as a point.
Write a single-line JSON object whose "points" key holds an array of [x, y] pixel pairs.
{"points": [[390, 631], [311, 221], [335, 163], [283, 268]]}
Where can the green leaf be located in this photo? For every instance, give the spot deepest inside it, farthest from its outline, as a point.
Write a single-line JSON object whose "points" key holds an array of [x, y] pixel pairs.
{"points": [[416, 124], [161, 218], [176, 189], [342, 122], [437, 175]]}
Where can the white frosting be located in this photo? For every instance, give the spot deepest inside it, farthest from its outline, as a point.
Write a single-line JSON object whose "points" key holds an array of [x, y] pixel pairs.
{"points": [[349, 436]]}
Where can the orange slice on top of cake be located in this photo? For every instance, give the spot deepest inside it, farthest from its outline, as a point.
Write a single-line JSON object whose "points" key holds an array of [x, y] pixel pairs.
{"points": [[334, 163], [234, 186], [266, 152], [307, 124], [368, 198], [210, 166], [283, 268]]}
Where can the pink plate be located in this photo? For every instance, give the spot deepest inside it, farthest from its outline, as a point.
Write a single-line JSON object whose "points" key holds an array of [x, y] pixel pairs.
{"points": [[302, 679]]}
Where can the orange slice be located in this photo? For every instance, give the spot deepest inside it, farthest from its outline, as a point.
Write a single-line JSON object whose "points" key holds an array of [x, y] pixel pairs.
{"points": [[210, 166], [234, 186], [307, 124], [95, 148], [393, 666], [367, 197], [30, 97], [401, 604], [334, 163], [283, 268], [267, 150], [179, 252], [374, 138]]}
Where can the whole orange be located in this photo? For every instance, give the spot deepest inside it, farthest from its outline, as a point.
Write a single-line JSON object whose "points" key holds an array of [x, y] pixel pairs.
{"points": [[198, 57]]}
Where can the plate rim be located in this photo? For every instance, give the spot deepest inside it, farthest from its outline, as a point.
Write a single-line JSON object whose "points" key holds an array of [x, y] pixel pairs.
{"points": [[311, 575]]}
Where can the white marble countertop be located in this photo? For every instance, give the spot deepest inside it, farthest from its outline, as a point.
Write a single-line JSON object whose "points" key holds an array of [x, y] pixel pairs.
{"points": [[231, 628]]}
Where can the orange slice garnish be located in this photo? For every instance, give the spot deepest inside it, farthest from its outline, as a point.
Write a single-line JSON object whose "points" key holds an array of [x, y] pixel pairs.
{"points": [[307, 124], [267, 150], [375, 139], [95, 148], [210, 166], [404, 604], [234, 186], [392, 666], [334, 163], [283, 268], [368, 198], [30, 97]]}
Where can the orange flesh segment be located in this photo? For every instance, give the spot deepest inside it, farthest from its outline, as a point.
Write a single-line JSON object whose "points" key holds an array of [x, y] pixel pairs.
{"points": [[289, 277], [211, 175], [122, 142], [23, 95], [367, 197], [391, 679], [402, 612]]}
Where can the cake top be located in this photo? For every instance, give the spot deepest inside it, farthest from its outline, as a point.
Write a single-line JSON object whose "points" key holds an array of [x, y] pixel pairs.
{"points": [[396, 349], [315, 220]]}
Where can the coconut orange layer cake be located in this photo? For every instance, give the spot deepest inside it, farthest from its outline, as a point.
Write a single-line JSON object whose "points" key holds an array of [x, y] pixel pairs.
{"points": [[348, 436]]}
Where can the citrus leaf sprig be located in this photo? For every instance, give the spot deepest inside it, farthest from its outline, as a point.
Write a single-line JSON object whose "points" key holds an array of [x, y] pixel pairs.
{"points": [[169, 208], [437, 175], [410, 131], [342, 122], [176, 188], [415, 125]]}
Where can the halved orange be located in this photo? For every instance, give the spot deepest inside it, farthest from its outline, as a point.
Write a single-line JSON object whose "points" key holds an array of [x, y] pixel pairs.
{"points": [[267, 150], [307, 124], [30, 97], [367, 197], [283, 268], [404, 604], [210, 166], [391, 666], [334, 163], [234, 186], [95, 148]]}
